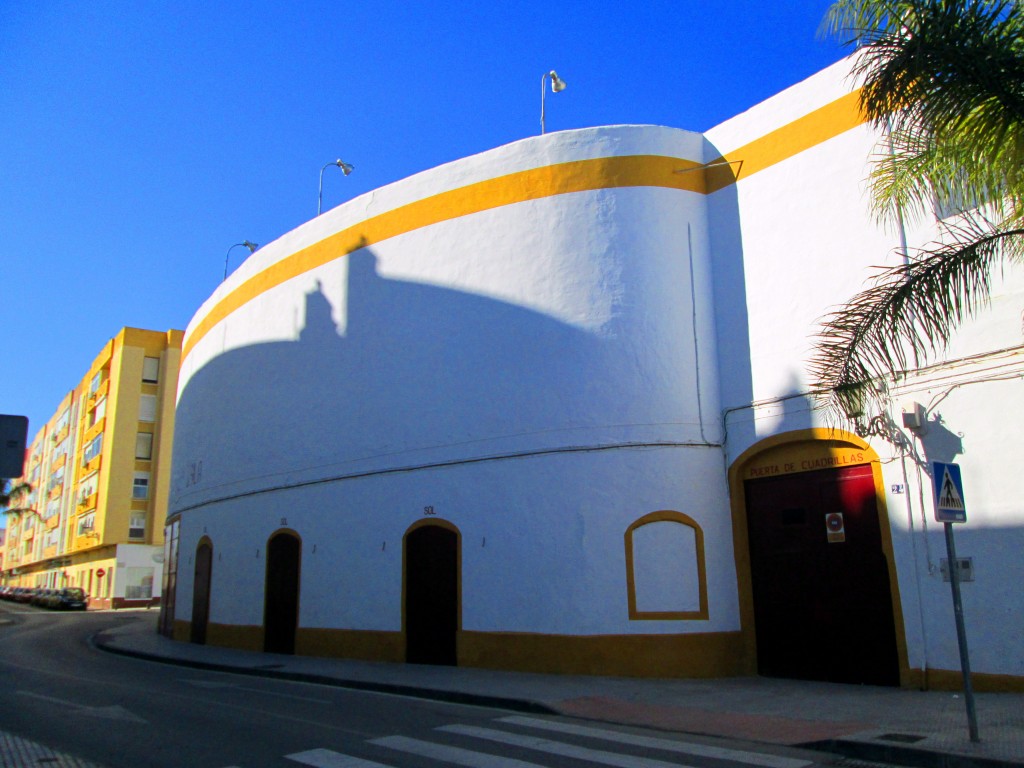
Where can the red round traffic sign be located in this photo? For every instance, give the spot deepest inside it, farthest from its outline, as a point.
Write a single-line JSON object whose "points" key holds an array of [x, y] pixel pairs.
{"points": [[100, 572]]}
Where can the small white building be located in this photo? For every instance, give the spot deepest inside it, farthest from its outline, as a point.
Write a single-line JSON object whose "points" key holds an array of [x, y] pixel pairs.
{"points": [[547, 408]]}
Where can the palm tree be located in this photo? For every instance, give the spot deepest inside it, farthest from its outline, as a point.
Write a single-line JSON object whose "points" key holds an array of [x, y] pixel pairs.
{"points": [[944, 81], [12, 494]]}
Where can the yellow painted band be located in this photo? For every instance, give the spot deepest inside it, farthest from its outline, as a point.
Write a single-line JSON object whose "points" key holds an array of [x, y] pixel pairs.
{"points": [[783, 143], [533, 184], [536, 184]]}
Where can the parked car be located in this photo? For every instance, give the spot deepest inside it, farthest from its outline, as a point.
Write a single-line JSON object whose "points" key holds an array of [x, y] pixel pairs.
{"points": [[23, 594], [70, 599], [39, 597]]}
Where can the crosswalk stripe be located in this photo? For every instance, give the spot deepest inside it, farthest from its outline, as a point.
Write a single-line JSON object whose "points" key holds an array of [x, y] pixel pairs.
{"points": [[451, 754], [326, 758], [666, 745], [558, 748]]}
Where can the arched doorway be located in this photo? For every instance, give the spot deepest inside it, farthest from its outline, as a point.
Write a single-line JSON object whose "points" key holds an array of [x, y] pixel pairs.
{"points": [[431, 593], [201, 591], [281, 592], [822, 592]]}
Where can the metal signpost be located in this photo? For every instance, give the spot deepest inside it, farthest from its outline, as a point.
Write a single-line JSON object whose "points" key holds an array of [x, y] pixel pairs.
{"points": [[950, 509]]}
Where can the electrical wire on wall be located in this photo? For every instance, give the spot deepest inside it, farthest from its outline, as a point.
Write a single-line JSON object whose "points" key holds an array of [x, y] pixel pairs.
{"points": [[693, 326]]}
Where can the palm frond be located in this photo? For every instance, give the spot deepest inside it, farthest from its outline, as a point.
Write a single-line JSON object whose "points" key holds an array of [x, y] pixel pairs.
{"points": [[909, 312], [14, 492], [944, 81]]}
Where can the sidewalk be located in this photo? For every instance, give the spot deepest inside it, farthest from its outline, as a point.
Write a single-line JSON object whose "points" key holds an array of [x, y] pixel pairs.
{"points": [[927, 729]]}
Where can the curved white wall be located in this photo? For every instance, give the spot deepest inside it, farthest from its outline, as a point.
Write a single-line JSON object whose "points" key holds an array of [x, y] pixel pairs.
{"points": [[527, 349], [529, 343], [529, 326]]}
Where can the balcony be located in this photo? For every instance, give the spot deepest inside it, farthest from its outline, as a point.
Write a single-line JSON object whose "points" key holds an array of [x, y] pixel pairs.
{"points": [[87, 539], [87, 502], [101, 391], [94, 430]]}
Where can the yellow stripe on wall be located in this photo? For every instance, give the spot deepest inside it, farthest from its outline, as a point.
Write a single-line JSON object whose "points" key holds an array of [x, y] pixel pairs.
{"points": [[783, 143], [533, 184], [536, 184]]}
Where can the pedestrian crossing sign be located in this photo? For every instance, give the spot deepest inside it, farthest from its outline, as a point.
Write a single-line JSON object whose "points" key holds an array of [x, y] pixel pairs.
{"points": [[949, 493]]}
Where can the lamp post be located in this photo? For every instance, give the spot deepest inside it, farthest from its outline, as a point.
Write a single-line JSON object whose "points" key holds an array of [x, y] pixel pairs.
{"points": [[245, 244], [345, 168], [557, 84]]}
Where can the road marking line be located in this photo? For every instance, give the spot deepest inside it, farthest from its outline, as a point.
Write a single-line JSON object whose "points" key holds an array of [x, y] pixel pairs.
{"points": [[667, 745], [283, 695], [454, 755], [327, 758], [558, 748], [112, 712], [51, 699], [231, 686]]}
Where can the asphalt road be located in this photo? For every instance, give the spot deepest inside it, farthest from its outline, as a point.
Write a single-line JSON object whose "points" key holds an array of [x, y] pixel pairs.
{"points": [[65, 703]]}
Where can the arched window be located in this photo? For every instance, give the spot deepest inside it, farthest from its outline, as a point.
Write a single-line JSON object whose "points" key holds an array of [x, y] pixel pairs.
{"points": [[665, 573]]}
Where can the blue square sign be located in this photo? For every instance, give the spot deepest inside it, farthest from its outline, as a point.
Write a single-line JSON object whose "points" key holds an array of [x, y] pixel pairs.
{"points": [[13, 434], [949, 493]]}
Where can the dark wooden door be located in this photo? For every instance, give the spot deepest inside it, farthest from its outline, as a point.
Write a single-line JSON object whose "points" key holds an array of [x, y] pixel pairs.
{"points": [[201, 592], [281, 596], [822, 604], [431, 595]]}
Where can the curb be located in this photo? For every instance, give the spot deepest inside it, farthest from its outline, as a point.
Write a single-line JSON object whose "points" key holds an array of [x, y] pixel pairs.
{"points": [[432, 694], [908, 756], [842, 748]]}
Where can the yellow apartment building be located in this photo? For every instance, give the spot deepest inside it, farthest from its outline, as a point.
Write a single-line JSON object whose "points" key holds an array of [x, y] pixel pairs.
{"points": [[99, 471]]}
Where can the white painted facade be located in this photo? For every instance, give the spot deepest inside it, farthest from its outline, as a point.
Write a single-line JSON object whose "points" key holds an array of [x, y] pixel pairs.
{"points": [[138, 572], [543, 369]]}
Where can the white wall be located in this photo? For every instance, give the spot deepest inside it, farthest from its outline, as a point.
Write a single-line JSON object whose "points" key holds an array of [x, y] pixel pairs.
{"points": [[515, 368], [556, 355], [806, 243]]}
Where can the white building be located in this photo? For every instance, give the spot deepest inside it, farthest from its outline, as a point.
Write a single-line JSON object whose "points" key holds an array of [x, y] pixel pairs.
{"points": [[546, 408]]}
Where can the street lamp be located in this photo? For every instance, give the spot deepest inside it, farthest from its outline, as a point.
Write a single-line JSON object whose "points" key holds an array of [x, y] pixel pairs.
{"points": [[345, 168], [244, 244], [557, 84]]}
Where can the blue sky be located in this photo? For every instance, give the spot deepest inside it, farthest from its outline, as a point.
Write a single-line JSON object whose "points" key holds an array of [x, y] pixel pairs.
{"points": [[140, 140]]}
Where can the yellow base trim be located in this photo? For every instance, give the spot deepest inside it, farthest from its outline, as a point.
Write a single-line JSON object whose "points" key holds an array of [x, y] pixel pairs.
{"points": [[366, 645], [707, 655], [718, 654], [950, 680], [181, 630], [241, 636]]}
